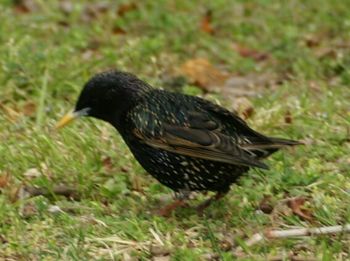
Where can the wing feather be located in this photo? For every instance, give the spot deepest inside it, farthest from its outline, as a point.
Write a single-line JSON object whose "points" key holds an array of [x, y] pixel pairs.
{"points": [[203, 144]]}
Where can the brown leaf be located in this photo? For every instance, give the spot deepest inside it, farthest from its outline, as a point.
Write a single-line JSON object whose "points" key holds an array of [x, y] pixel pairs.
{"points": [[118, 30], [4, 180], [226, 244], [25, 6], [203, 74], [250, 53], [326, 52], [29, 108], [3, 239], [288, 117], [125, 8], [312, 41], [206, 21], [29, 210], [296, 205], [63, 23], [94, 10], [243, 107], [265, 205], [107, 164]]}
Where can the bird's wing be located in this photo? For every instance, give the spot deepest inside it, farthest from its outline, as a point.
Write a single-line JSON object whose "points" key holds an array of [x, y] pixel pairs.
{"points": [[253, 142], [200, 138]]}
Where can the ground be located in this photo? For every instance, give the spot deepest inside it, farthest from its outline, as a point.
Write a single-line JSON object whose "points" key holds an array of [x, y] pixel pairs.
{"points": [[48, 49]]}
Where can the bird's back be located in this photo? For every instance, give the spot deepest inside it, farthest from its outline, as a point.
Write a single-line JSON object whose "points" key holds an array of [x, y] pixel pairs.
{"points": [[162, 110]]}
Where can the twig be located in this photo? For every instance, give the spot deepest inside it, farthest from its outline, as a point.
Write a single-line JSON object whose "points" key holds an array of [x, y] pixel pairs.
{"points": [[62, 190], [298, 232]]}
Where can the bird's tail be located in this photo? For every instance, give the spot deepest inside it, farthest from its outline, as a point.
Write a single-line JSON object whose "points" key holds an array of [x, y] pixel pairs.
{"points": [[265, 147], [279, 142]]}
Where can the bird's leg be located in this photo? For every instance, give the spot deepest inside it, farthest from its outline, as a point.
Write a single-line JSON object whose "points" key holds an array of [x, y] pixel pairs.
{"points": [[220, 194], [180, 201]]}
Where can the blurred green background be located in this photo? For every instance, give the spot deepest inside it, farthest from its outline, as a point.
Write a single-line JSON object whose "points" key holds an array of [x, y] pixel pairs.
{"points": [[284, 66]]}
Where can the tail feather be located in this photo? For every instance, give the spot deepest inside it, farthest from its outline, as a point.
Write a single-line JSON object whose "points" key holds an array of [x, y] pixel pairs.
{"points": [[263, 148], [284, 142]]}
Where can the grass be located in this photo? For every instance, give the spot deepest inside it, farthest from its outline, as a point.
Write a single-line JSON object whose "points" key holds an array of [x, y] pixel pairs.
{"points": [[48, 53]]}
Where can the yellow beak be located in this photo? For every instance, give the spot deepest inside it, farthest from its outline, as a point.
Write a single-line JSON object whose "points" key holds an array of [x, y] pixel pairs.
{"points": [[69, 117]]}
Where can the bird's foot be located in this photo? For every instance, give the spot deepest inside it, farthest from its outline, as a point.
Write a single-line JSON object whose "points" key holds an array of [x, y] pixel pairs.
{"points": [[168, 209], [201, 207]]}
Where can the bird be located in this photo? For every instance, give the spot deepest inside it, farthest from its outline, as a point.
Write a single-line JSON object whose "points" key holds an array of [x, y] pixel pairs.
{"points": [[185, 142]]}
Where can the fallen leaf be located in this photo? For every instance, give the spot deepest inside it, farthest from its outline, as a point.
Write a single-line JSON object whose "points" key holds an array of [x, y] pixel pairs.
{"points": [[4, 180], [243, 107], [250, 53], [28, 210], [94, 10], [118, 30], [126, 8], [29, 108], [226, 244], [25, 6], [296, 205], [63, 23], [3, 239], [206, 21], [288, 117], [107, 164], [312, 41], [203, 74], [265, 205], [326, 52], [17, 193]]}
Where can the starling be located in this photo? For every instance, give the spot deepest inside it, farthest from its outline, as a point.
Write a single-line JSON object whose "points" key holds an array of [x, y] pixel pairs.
{"points": [[185, 142]]}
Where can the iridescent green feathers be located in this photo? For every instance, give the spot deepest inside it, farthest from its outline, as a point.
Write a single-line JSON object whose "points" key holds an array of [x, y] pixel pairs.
{"points": [[194, 127]]}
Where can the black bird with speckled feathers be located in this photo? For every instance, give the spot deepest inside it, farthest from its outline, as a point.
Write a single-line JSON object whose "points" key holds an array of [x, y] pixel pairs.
{"points": [[185, 142]]}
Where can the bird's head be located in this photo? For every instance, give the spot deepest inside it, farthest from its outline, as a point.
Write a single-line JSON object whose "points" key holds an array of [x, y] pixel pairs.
{"points": [[107, 96]]}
